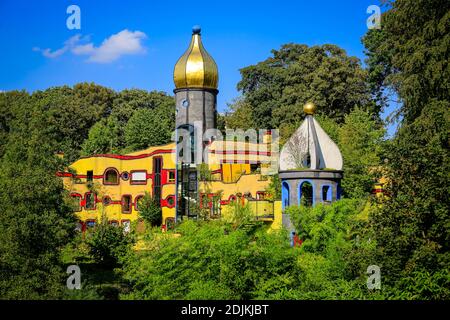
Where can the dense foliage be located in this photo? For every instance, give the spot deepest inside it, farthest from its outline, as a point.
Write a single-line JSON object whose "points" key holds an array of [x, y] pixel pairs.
{"points": [[410, 54], [36, 218], [150, 210], [275, 90], [406, 232], [107, 243]]}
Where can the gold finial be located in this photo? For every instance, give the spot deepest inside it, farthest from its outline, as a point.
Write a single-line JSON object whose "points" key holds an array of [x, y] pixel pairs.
{"points": [[309, 108], [196, 68]]}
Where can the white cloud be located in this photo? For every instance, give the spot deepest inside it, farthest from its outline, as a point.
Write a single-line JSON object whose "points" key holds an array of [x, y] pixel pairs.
{"points": [[123, 43], [58, 52]]}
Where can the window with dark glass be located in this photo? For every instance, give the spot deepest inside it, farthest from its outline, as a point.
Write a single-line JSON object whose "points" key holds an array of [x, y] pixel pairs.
{"points": [[157, 166], [106, 201], [138, 202], [111, 176], [126, 204], [171, 178], [171, 201], [255, 167], [76, 202], [89, 201], [90, 176]]}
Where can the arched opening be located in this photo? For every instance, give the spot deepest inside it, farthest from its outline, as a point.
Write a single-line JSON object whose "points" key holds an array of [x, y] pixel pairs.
{"points": [[306, 194], [285, 194], [111, 176], [326, 193]]}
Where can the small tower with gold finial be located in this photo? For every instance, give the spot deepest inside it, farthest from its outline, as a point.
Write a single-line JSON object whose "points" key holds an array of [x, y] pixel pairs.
{"points": [[310, 165]]}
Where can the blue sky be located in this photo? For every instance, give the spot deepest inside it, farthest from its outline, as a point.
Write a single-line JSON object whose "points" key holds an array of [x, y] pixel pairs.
{"points": [[235, 33]]}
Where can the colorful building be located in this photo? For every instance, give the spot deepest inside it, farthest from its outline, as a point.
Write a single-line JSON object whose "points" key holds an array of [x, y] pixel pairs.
{"points": [[202, 171], [112, 185]]}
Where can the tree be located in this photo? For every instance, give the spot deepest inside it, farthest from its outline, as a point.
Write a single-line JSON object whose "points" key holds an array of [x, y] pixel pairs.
{"points": [[103, 138], [413, 224], [410, 56], [149, 128], [72, 112], [9, 102], [150, 210], [128, 101], [240, 116], [276, 89], [360, 141], [36, 219], [108, 243]]}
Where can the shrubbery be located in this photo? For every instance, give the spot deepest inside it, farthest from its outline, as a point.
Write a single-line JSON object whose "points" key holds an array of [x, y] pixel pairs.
{"points": [[107, 243], [150, 210]]}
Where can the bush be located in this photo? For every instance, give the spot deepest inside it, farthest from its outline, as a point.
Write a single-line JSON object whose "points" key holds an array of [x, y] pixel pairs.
{"points": [[107, 243], [150, 210], [209, 260]]}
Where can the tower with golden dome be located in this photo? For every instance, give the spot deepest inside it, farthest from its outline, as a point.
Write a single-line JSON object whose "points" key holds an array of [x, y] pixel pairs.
{"points": [[196, 79]]}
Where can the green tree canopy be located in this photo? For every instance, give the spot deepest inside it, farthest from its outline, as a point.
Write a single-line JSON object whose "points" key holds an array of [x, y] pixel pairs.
{"points": [[276, 89], [410, 54], [360, 139], [149, 127], [36, 218], [103, 138]]}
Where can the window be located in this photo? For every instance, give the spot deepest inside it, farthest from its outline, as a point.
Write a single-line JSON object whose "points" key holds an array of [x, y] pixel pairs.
{"points": [[285, 194], [255, 167], [106, 201], [157, 167], [126, 203], [89, 176], [111, 176], [76, 197], [126, 225], [204, 201], [89, 199], [171, 201], [260, 195], [137, 201], [114, 223], [192, 181], [139, 177], [171, 178], [326, 193], [306, 194], [90, 224], [125, 176]]}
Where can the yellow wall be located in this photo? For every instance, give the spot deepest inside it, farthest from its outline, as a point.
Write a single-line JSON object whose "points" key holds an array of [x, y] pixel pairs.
{"points": [[230, 179], [142, 160]]}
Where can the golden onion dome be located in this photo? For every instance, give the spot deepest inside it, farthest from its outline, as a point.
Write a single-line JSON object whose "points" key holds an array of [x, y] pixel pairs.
{"points": [[196, 68], [309, 108]]}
